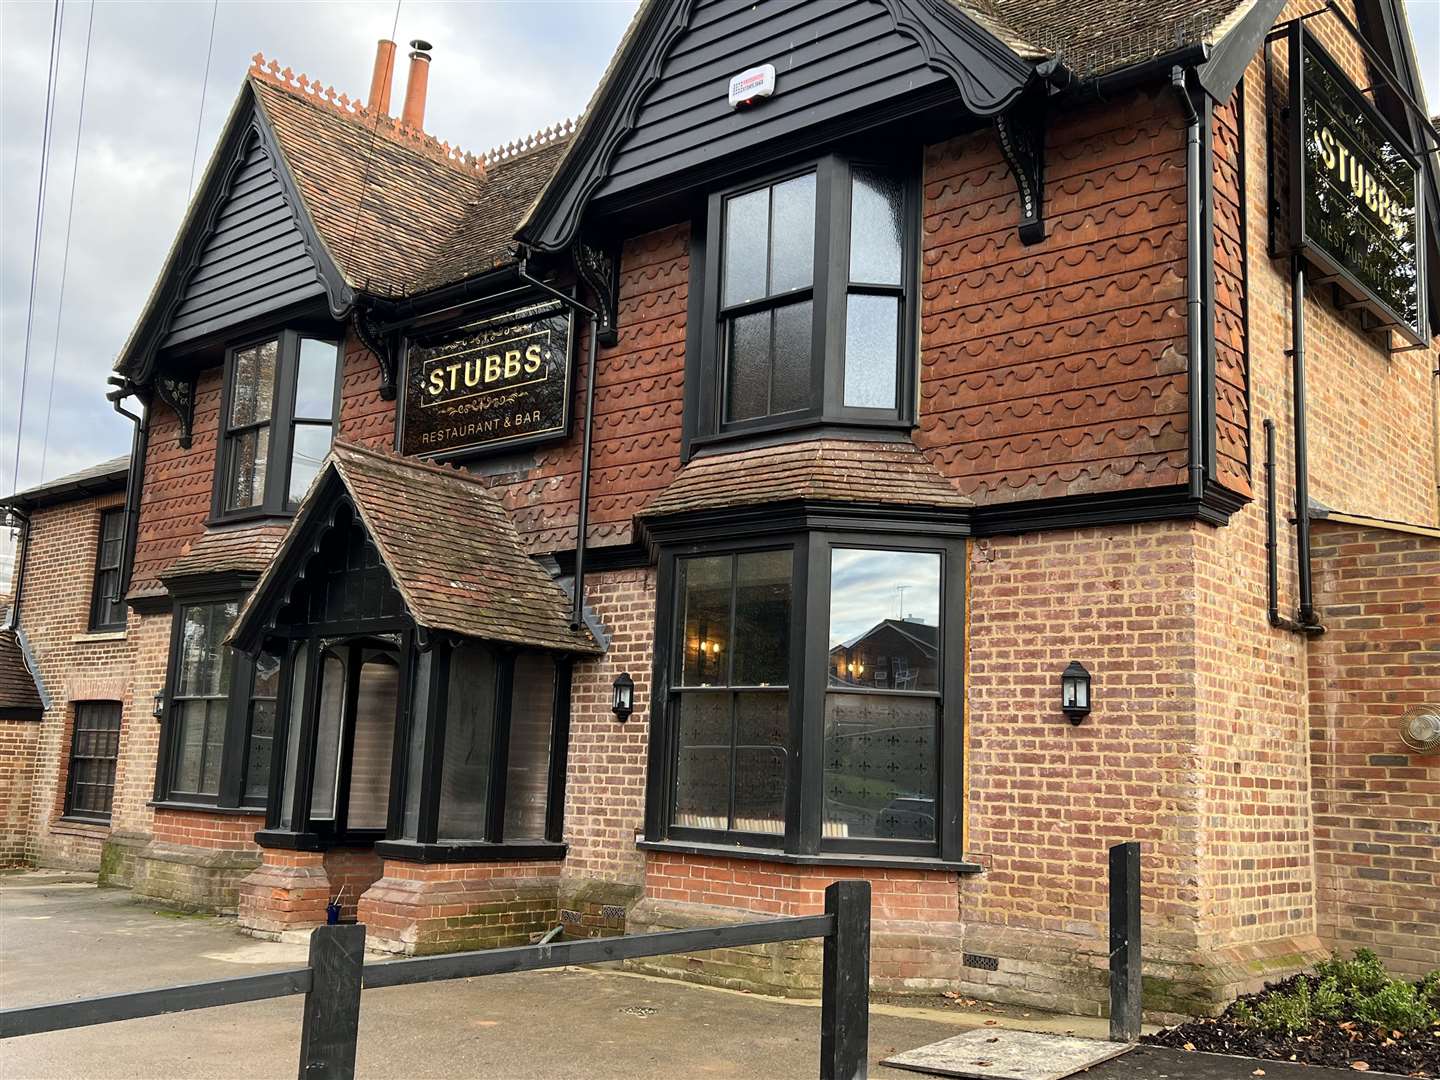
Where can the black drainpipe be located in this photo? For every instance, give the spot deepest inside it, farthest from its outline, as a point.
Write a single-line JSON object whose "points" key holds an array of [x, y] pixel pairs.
{"points": [[582, 525], [134, 480], [1194, 305], [22, 552], [1308, 623]]}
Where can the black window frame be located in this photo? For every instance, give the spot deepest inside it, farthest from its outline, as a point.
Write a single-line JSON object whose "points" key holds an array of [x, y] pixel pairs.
{"points": [[235, 743], [72, 777], [803, 839], [102, 602], [830, 287], [282, 423]]}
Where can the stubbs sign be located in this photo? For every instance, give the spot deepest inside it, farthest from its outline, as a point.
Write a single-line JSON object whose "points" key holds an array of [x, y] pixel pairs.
{"points": [[1355, 210], [493, 384]]}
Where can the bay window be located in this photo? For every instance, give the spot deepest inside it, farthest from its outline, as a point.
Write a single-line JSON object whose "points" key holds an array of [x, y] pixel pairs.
{"points": [[806, 304], [278, 413], [809, 698]]}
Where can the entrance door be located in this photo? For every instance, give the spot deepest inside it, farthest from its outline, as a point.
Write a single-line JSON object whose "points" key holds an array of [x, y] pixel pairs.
{"points": [[355, 737]]}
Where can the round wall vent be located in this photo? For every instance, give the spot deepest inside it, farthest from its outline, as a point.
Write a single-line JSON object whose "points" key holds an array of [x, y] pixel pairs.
{"points": [[1420, 729]]}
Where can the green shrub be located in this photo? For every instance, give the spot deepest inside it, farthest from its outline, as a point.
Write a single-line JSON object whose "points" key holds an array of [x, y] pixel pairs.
{"points": [[1357, 989]]}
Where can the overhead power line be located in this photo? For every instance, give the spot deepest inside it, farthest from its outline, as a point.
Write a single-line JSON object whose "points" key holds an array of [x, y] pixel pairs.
{"points": [[204, 87], [57, 20], [65, 259]]}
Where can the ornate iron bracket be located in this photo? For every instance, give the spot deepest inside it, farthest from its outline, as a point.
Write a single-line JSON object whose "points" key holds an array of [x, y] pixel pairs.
{"points": [[379, 343], [598, 270], [179, 394], [1021, 130]]}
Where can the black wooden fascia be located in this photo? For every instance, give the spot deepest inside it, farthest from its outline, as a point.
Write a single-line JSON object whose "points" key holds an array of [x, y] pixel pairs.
{"points": [[1020, 130], [986, 73], [178, 392], [247, 118]]}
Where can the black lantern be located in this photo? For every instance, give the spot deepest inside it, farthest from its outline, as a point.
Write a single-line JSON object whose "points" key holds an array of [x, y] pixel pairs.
{"points": [[624, 703], [1075, 692], [159, 710]]}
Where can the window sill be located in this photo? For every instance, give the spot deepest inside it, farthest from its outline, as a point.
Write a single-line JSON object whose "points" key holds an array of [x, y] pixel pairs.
{"points": [[256, 516], [878, 862], [411, 851], [207, 808], [801, 430], [98, 635], [82, 825]]}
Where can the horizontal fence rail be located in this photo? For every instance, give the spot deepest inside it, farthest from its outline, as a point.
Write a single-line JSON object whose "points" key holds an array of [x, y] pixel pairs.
{"points": [[337, 973]]}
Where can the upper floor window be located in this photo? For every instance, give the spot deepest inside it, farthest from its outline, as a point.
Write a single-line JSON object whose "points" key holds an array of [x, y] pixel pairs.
{"points": [[811, 700], [107, 606], [809, 279], [279, 410]]}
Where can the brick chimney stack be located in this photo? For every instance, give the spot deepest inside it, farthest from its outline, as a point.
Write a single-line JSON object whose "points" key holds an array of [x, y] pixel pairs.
{"points": [[413, 115], [379, 100]]}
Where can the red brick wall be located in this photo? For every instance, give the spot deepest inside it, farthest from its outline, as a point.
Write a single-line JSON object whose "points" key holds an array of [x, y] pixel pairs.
{"points": [[1058, 368], [1377, 805], [74, 665], [365, 416], [19, 740], [204, 829], [605, 790]]}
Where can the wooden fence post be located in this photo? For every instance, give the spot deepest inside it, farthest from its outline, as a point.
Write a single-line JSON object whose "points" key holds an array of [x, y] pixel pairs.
{"points": [[332, 1006], [845, 988], [1125, 980]]}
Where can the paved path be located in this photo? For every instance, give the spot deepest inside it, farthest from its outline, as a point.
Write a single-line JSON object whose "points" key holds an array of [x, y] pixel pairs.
{"points": [[60, 941]]}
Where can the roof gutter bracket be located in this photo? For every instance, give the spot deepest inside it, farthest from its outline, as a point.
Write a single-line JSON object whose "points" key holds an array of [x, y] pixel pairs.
{"points": [[178, 392], [384, 345], [1021, 132]]}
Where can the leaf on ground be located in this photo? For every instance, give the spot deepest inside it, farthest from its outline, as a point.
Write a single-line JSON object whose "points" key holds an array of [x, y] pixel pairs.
{"points": [[1360, 1066], [1189, 1046]]}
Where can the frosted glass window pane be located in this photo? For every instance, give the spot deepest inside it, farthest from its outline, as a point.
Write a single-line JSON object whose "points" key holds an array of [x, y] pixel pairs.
{"points": [[315, 383], [881, 752], [469, 742], [747, 382], [762, 730], [871, 337], [528, 771], [791, 388], [327, 738], [792, 241], [376, 697], [747, 232], [702, 761], [876, 205]]}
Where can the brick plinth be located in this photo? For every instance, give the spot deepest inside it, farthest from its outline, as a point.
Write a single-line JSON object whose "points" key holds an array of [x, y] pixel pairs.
{"points": [[288, 891], [417, 908], [193, 860]]}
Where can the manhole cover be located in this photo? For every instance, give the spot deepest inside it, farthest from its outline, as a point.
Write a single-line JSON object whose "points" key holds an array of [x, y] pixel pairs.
{"points": [[638, 1010], [993, 1054]]}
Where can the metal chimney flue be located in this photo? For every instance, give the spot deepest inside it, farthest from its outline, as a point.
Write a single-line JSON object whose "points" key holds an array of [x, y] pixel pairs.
{"points": [[383, 77], [413, 115]]}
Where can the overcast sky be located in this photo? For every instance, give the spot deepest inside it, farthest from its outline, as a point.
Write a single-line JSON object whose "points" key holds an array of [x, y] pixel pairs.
{"points": [[500, 70]]}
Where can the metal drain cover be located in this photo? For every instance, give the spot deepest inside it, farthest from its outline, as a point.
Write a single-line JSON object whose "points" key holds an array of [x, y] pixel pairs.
{"points": [[996, 1054], [638, 1010]]}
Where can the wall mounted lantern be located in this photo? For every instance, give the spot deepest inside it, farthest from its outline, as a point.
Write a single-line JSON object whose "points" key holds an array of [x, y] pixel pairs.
{"points": [[624, 701], [1075, 692], [159, 710]]}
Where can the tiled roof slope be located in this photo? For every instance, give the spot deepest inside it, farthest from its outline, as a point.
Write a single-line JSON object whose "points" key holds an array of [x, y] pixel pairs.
{"points": [[451, 549], [431, 214], [825, 470], [242, 550], [94, 480], [18, 695], [1096, 38]]}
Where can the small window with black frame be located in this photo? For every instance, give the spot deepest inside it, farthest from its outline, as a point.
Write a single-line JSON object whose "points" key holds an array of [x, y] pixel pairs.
{"points": [[865, 759], [810, 279], [107, 606], [279, 413], [199, 700], [94, 750]]}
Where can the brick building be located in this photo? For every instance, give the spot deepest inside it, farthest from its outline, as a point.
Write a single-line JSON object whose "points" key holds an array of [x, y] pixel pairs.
{"points": [[721, 487]]}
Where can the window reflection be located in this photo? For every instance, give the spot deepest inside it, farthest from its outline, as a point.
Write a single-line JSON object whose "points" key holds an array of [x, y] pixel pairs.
{"points": [[885, 619]]}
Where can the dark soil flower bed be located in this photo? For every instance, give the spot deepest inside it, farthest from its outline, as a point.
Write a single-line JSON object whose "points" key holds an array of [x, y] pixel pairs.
{"points": [[1349, 1014]]}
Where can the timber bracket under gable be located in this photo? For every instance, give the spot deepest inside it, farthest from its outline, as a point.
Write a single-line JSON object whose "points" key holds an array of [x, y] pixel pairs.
{"points": [[598, 268], [383, 345], [178, 392], [1021, 132]]}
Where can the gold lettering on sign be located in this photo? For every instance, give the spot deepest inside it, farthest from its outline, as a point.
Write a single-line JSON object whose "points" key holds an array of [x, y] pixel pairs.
{"points": [[1353, 175], [488, 368]]}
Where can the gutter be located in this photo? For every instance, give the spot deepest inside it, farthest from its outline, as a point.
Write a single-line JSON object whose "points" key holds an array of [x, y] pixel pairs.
{"points": [[134, 479]]}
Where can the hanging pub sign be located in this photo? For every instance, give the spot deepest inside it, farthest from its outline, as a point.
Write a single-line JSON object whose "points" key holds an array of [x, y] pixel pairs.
{"points": [[495, 384], [1354, 197]]}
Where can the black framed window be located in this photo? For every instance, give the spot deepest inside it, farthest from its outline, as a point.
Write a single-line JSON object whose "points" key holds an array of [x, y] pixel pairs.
{"points": [[199, 702], [279, 411], [811, 696], [107, 606], [807, 299], [94, 750]]}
